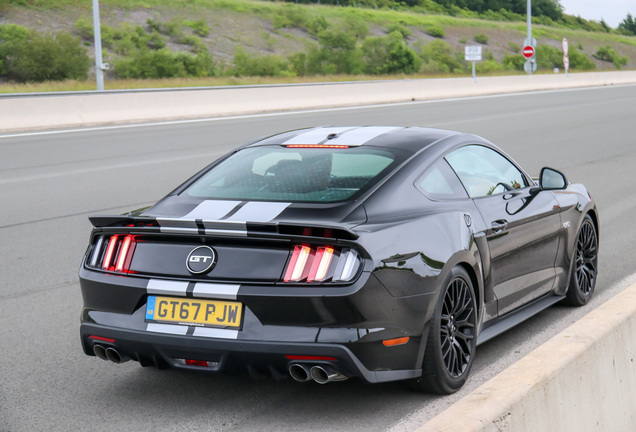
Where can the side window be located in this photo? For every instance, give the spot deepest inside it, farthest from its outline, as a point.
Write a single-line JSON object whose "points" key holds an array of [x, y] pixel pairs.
{"points": [[440, 182], [485, 172]]}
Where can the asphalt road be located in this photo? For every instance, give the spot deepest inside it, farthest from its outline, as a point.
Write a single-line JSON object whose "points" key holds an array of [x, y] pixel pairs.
{"points": [[51, 182]]}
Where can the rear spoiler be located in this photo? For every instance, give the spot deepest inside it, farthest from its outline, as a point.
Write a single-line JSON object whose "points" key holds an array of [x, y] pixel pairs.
{"points": [[202, 227]]}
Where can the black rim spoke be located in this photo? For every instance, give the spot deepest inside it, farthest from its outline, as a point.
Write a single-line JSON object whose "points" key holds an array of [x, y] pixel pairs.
{"points": [[585, 258], [457, 327]]}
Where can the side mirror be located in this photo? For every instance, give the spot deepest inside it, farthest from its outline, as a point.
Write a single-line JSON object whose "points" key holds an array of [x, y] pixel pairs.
{"points": [[551, 179]]}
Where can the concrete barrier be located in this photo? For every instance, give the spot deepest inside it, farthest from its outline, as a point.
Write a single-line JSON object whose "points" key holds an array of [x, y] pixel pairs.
{"points": [[584, 379], [29, 112]]}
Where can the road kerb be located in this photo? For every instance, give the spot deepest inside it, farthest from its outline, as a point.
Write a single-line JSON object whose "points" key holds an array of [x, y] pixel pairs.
{"points": [[583, 379]]}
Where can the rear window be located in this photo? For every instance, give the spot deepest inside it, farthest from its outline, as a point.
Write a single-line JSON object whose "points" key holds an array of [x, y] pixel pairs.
{"points": [[276, 173]]}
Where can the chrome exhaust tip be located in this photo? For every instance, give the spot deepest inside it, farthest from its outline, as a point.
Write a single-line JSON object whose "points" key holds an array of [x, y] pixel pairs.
{"points": [[300, 372], [113, 355], [100, 352], [326, 374]]}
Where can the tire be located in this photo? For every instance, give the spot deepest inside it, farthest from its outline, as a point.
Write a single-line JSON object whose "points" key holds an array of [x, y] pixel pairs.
{"points": [[451, 343], [584, 266]]}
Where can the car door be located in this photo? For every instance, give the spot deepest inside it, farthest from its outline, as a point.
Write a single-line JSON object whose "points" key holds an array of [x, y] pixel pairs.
{"points": [[521, 226]]}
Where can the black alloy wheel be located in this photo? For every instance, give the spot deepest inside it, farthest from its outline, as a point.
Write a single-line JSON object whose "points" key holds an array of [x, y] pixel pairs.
{"points": [[585, 265], [451, 343]]}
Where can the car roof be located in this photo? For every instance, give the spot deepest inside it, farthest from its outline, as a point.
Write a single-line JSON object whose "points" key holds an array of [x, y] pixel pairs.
{"points": [[412, 139]]}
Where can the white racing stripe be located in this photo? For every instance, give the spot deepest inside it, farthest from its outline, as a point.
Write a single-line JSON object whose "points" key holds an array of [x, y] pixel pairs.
{"points": [[350, 136], [216, 216], [217, 291], [215, 333], [165, 287], [256, 211], [167, 328], [212, 209], [316, 136], [360, 136]]}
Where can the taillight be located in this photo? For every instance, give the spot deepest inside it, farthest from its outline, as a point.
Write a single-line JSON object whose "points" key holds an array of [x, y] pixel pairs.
{"points": [[321, 264], [113, 253]]}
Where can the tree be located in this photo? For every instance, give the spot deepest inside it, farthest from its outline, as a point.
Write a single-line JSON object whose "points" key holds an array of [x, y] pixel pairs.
{"points": [[628, 25]]}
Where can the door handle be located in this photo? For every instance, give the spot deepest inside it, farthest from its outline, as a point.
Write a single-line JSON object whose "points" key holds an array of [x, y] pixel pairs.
{"points": [[499, 225]]}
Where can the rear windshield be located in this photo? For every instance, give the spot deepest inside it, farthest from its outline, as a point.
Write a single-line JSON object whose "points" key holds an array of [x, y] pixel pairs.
{"points": [[276, 173]]}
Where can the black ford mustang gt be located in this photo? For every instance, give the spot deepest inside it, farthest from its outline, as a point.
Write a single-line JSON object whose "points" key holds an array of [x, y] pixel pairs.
{"points": [[384, 253]]}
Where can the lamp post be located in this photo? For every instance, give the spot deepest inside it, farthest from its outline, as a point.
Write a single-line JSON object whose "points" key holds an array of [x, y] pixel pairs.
{"points": [[97, 31]]}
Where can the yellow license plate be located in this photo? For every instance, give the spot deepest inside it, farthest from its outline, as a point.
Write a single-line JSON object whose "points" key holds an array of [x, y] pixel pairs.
{"points": [[188, 311]]}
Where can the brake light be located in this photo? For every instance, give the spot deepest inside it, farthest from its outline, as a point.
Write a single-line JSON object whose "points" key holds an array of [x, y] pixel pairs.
{"points": [[118, 254], [317, 146], [321, 264], [296, 266]]}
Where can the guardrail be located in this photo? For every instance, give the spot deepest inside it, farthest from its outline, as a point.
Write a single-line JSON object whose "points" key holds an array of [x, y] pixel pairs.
{"points": [[79, 109]]}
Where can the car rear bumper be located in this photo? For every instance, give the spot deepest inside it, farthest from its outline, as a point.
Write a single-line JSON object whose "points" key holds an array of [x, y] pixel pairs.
{"points": [[234, 356]]}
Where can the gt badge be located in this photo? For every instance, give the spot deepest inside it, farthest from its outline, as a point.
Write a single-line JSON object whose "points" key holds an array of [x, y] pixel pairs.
{"points": [[201, 260]]}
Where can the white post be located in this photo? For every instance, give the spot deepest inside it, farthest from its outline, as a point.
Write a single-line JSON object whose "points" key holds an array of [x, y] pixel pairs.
{"points": [[97, 31]]}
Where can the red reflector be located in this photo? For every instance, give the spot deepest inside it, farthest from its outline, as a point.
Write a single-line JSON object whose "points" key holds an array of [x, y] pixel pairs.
{"points": [[316, 146], [103, 339], [201, 363], [317, 358]]}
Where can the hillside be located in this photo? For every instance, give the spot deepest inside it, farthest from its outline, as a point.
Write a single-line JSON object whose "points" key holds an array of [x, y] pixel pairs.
{"points": [[281, 35]]}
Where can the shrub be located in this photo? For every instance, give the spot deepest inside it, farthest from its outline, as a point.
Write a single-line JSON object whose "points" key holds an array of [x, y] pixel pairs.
{"points": [[338, 54], [608, 54], [289, 15], [389, 55], [399, 27], [84, 29], [579, 60], [317, 25], [267, 65], [164, 63], [199, 27], [514, 47], [355, 26], [27, 56], [438, 56], [463, 40], [549, 57], [436, 31], [489, 65], [298, 63], [513, 62], [481, 38]]}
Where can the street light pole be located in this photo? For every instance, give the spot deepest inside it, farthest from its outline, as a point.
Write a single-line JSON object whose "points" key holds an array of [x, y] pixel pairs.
{"points": [[99, 73], [529, 20]]}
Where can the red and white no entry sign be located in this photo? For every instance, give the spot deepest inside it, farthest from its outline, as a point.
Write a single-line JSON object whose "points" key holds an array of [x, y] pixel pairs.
{"points": [[528, 51]]}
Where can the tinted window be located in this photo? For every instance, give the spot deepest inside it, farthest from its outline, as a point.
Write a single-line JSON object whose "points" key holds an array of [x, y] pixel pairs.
{"points": [[277, 173], [484, 171], [440, 182]]}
